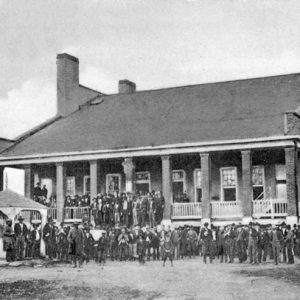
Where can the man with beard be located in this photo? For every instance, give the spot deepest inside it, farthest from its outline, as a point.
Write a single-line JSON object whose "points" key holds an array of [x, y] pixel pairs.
{"points": [[76, 239]]}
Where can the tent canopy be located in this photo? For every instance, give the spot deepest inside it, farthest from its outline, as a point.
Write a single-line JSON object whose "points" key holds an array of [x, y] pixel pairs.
{"points": [[11, 199]]}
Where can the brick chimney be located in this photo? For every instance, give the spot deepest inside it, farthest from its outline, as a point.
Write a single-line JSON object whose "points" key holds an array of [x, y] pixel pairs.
{"points": [[67, 83], [126, 87]]}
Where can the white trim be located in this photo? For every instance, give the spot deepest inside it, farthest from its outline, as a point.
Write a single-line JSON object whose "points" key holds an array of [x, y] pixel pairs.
{"points": [[254, 143], [144, 181], [117, 175], [195, 180], [85, 177], [264, 181], [236, 185]]}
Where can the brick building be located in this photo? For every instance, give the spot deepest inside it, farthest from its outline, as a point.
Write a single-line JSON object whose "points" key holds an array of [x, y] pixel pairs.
{"points": [[231, 147]]}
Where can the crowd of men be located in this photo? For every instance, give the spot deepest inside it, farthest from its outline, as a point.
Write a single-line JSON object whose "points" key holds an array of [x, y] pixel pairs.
{"points": [[252, 243]]}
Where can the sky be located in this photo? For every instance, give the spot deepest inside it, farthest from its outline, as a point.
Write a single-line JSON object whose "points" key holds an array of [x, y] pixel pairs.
{"points": [[155, 43]]}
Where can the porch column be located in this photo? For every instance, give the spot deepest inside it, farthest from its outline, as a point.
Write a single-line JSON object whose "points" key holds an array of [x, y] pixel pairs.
{"points": [[93, 178], [166, 186], [28, 181], [60, 193], [247, 193], [205, 185], [291, 193], [129, 170]]}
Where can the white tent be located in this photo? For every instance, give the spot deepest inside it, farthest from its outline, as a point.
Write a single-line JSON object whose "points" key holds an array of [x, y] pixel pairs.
{"points": [[12, 205]]}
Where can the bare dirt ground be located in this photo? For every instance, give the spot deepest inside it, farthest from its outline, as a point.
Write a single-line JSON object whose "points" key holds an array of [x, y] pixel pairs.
{"points": [[188, 279]]}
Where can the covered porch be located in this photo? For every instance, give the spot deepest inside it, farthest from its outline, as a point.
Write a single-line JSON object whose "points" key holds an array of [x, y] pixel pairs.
{"points": [[221, 184]]}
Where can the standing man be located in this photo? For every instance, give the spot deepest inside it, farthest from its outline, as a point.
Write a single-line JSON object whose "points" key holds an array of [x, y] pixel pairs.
{"points": [[35, 237], [49, 238], [151, 211], [252, 244], [206, 238], [277, 240], [9, 241], [76, 239], [241, 243], [21, 232]]}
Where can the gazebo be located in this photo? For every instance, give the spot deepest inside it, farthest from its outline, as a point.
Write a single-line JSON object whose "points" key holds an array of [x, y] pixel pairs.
{"points": [[12, 205]]}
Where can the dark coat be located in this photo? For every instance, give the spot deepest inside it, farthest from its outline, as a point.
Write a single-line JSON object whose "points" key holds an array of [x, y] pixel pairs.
{"points": [[18, 230], [76, 239]]}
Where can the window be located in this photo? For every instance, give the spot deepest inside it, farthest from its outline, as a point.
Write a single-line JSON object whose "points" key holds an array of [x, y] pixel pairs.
{"points": [[198, 185], [229, 184], [178, 185], [280, 181], [143, 182], [113, 183], [258, 182], [70, 186], [86, 184]]}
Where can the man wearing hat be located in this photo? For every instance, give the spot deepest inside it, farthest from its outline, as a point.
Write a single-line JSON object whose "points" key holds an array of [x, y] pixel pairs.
{"points": [[9, 241], [21, 231], [277, 240], [76, 239], [252, 244], [206, 238], [35, 239], [49, 237]]}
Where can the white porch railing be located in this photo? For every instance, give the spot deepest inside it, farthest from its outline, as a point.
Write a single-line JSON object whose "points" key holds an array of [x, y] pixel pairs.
{"points": [[75, 213], [186, 210], [52, 212], [228, 209], [269, 208]]}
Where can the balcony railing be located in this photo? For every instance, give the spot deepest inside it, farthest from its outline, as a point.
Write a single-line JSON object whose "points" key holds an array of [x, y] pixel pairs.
{"points": [[270, 208], [75, 213], [186, 210], [226, 209], [70, 213]]}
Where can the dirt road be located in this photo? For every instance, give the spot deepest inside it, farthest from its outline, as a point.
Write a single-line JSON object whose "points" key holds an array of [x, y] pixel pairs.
{"points": [[188, 279]]}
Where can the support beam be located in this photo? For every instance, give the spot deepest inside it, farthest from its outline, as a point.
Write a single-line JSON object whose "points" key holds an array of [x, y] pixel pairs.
{"points": [[167, 185], [93, 178], [247, 190], [60, 193], [28, 181], [291, 189], [205, 169], [129, 170]]}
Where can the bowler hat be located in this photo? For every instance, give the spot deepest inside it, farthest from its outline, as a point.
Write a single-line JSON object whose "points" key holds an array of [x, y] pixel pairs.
{"points": [[20, 218], [205, 224]]}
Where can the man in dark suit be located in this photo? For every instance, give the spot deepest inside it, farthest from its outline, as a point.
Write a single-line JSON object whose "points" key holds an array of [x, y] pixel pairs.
{"points": [[21, 231], [206, 238], [49, 238], [35, 239]]}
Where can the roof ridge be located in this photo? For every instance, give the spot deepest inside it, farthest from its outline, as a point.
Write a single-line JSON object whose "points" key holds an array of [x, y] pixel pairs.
{"points": [[205, 83]]}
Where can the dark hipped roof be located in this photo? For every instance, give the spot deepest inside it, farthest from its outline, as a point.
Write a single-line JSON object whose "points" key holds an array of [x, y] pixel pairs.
{"points": [[4, 143], [231, 110], [11, 199]]}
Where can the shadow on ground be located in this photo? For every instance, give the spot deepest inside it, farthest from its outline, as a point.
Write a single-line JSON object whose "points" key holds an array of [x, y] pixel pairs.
{"points": [[46, 290], [291, 275]]}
